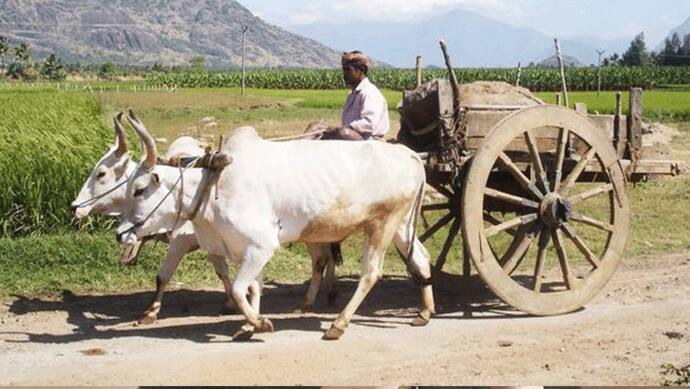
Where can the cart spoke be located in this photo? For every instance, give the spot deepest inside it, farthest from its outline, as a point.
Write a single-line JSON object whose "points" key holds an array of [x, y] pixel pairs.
{"points": [[517, 200], [560, 156], [544, 238], [513, 261], [590, 193], [565, 187], [580, 244], [524, 182], [437, 226], [536, 160], [442, 190], [562, 258], [452, 233], [591, 222], [435, 207], [518, 221], [491, 219]]}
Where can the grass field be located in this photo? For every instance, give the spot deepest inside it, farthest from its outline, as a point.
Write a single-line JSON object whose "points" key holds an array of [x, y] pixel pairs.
{"points": [[88, 262]]}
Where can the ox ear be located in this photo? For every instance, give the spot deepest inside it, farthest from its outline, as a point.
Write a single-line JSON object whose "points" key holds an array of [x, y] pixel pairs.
{"points": [[149, 144], [120, 136]]}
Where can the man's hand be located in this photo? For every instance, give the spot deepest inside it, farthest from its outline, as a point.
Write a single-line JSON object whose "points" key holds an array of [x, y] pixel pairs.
{"points": [[332, 129]]}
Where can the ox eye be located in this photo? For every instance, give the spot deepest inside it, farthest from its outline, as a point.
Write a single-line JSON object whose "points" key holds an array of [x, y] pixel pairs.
{"points": [[101, 175], [138, 192]]}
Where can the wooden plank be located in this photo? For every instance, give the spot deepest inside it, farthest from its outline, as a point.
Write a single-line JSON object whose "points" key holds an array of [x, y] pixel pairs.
{"points": [[517, 145], [646, 166], [493, 107]]}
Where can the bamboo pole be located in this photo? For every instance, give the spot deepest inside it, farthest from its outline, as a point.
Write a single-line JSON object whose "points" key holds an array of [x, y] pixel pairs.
{"points": [[418, 69], [564, 88], [517, 81]]}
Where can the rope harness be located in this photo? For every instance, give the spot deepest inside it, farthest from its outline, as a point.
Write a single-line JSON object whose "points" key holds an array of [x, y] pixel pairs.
{"points": [[100, 196]]}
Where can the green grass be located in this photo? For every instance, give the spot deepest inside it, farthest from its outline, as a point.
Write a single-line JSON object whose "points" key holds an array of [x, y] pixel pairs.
{"points": [[88, 263], [272, 112]]}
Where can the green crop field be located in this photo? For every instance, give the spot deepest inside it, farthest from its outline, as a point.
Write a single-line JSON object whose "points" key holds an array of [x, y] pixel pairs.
{"points": [[536, 79], [49, 141]]}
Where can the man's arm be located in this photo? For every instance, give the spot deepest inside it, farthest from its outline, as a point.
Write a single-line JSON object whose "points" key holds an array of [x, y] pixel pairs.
{"points": [[372, 106]]}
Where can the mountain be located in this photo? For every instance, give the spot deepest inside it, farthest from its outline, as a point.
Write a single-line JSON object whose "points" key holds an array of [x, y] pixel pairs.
{"points": [[552, 62], [682, 30], [473, 40], [147, 31]]}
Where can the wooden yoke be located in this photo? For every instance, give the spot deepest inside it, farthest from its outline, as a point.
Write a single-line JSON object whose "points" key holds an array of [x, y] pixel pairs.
{"points": [[211, 160]]}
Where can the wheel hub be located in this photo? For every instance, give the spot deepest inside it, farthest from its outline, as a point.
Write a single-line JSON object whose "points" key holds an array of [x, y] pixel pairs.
{"points": [[554, 210]]}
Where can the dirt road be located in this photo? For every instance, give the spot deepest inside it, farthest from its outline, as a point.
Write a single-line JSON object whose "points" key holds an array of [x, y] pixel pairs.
{"points": [[638, 322]]}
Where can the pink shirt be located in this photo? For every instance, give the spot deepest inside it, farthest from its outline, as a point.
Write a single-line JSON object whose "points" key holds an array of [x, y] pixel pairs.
{"points": [[366, 110]]}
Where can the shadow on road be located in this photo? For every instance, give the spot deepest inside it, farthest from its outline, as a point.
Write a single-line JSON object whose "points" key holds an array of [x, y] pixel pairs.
{"points": [[392, 302]]}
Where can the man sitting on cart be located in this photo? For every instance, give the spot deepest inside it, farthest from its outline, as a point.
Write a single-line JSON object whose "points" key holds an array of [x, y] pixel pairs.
{"points": [[365, 114]]}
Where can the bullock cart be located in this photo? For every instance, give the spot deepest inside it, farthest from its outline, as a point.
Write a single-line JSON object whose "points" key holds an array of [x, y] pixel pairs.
{"points": [[532, 197]]}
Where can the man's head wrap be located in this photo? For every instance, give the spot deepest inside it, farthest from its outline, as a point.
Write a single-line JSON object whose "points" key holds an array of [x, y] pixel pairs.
{"points": [[356, 59]]}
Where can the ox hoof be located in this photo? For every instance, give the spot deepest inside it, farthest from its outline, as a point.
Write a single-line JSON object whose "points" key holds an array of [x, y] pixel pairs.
{"points": [[265, 326], [422, 319], [332, 296], [244, 333], [333, 333], [148, 319]]}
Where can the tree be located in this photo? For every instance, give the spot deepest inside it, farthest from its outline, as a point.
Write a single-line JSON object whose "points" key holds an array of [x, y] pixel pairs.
{"points": [[53, 69], [107, 71], [612, 60], [685, 50], [198, 63], [157, 67], [4, 48], [637, 54], [21, 54]]}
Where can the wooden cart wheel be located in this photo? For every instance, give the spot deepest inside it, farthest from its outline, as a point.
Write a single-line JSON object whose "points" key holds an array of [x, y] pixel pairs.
{"points": [[444, 228], [574, 211]]}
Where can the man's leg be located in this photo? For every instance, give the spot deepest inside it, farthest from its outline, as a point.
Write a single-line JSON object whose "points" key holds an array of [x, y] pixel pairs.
{"points": [[344, 134]]}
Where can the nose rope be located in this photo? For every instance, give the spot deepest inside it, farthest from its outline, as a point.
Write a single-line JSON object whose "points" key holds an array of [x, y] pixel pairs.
{"points": [[100, 196], [141, 222]]}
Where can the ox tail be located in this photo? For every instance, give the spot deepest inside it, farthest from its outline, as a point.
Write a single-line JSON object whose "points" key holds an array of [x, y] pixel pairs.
{"points": [[414, 272], [336, 253]]}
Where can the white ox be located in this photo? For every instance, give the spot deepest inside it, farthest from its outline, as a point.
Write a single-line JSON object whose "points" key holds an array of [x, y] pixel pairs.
{"points": [[104, 193], [280, 192]]}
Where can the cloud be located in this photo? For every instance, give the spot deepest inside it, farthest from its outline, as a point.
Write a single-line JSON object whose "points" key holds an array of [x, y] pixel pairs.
{"points": [[303, 18], [341, 11], [401, 10]]}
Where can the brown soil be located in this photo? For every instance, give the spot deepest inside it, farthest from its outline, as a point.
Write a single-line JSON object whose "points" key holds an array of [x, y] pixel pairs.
{"points": [[621, 337], [496, 93]]}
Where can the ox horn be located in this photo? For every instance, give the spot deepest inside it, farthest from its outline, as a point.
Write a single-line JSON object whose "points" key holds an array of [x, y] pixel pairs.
{"points": [[149, 144], [120, 136]]}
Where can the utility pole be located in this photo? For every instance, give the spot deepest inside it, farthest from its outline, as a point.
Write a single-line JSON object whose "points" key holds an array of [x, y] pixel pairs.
{"points": [[600, 52], [244, 33]]}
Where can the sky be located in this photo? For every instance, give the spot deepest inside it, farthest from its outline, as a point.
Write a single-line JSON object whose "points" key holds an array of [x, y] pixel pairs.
{"points": [[607, 19]]}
